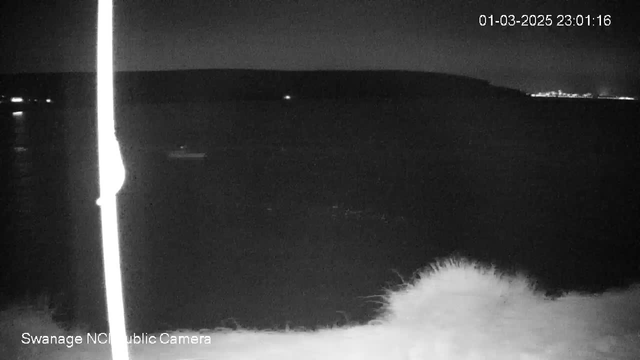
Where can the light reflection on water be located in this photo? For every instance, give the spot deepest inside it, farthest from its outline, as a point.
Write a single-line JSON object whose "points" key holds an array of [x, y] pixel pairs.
{"points": [[22, 176], [32, 206]]}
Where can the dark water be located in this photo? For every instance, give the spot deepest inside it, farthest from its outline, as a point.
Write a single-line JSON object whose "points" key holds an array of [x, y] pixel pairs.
{"points": [[265, 230]]}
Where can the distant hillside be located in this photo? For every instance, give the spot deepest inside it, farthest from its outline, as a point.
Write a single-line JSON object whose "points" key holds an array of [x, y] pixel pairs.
{"points": [[209, 85]]}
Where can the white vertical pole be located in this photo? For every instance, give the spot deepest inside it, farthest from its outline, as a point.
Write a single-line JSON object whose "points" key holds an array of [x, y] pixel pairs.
{"points": [[112, 176]]}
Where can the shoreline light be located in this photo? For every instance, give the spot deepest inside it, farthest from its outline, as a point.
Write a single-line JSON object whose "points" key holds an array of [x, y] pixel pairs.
{"points": [[561, 94]]}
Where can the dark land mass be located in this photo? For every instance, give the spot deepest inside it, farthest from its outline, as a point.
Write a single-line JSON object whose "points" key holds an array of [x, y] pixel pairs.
{"points": [[78, 89]]}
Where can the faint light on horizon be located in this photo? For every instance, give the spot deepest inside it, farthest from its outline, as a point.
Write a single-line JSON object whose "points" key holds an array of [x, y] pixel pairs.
{"points": [[16, 99], [49, 101], [287, 97]]}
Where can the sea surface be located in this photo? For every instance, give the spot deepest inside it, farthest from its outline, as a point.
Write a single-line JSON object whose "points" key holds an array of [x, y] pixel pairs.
{"points": [[299, 211]]}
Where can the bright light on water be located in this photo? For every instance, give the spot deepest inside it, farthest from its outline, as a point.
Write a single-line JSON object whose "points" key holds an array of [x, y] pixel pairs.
{"points": [[17, 113], [16, 99]]}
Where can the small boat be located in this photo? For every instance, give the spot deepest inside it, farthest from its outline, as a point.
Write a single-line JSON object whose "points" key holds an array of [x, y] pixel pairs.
{"points": [[184, 153]]}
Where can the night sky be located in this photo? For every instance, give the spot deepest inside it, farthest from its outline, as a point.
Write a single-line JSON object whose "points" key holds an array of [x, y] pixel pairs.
{"points": [[440, 36]]}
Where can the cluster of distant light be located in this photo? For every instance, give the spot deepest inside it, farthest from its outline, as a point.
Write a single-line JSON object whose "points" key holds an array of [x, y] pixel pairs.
{"points": [[20, 99], [561, 94]]}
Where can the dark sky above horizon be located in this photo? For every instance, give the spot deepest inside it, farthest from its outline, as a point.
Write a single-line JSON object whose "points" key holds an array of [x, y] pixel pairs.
{"points": [[440, 36]]}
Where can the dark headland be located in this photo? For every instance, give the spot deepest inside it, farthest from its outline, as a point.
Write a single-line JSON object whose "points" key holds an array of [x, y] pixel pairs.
{"points": [[78, 89]]}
